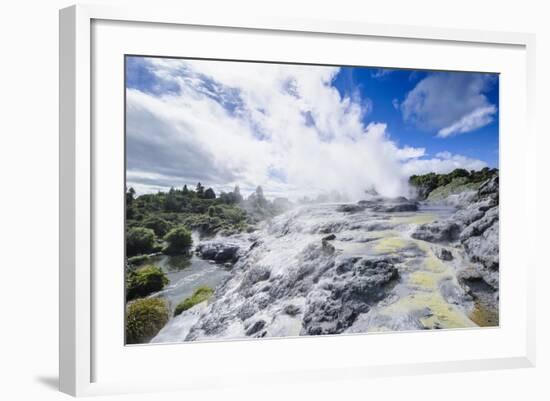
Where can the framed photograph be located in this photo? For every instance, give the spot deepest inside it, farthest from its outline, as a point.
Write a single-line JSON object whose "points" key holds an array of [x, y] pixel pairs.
{"points": [[275, 200]]}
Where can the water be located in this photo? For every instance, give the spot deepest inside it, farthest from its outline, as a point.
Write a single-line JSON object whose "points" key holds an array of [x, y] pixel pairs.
{"points": [[287, 283], [186, 275]]}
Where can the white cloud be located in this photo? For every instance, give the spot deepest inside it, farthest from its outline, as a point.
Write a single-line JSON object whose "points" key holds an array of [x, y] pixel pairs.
{"points": [[470, 122], [284, 127], [410, 153], [450, 103], [443, 162]]}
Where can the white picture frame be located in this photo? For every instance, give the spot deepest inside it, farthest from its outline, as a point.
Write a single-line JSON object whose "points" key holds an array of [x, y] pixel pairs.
{"points": [[79, 345]]}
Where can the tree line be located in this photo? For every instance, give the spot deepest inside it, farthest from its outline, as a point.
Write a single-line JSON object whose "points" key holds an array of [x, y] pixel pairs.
{"points": [[426, 183]]}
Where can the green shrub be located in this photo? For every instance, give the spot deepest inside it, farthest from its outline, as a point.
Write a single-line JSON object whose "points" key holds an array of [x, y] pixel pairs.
{"points": [[144, 281], [459, 172], [158, 247], [234, 215], [215, 211], [158, 225], [144, 319], [139, 240], [201, 294], [179, 241]]}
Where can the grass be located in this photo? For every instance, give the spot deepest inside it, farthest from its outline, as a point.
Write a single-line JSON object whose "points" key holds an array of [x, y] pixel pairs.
{"points": [[201, 294], [456, 186]]}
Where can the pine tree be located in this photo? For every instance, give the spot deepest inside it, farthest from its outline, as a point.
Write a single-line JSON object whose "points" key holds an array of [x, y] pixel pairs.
{"points": [[200, 190]]}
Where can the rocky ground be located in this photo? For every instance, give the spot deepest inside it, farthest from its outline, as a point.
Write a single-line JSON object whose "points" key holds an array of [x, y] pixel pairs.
{"points": [[475, 227], [379, 264]]}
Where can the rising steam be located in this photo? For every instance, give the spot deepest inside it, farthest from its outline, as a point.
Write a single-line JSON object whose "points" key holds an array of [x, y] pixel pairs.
{"points": [[284, 127]]}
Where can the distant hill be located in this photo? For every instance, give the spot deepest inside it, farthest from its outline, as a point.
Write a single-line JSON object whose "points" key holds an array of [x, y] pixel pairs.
{"points": [[437, 185]]}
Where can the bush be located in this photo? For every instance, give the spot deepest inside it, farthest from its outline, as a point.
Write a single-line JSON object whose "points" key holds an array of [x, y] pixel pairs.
{"points": [[144, 281], [459, 172], [158, 225], [144, 319], [179, 241], [201, 294], [139, 240], [215, 211]]}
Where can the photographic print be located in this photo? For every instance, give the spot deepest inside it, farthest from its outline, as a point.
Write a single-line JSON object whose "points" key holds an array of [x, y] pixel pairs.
{"points": [[272, 199]]}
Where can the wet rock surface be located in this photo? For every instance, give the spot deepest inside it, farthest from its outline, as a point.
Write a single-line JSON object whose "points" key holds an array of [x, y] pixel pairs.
{"points": [[329, 269], [359, 284], [476, 228], [378, 204], [440, 231], [390, 205], [218, 251], [444, 254], [298, 280]]}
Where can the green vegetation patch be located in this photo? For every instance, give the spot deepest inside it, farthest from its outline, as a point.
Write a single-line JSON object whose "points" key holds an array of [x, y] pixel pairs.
{"points": [[159, 225], [144, 319], [458, 179], [144, 281], [199, 209], [178, 241], [456, 186], [201, 294], [139, 240]]}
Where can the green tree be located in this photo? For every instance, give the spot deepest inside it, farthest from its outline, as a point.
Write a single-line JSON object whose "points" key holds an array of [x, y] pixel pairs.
{"points": [[179, 240], [259, 199], [231, 198], [172, 202], [130, 195], [209, 194], [139, 240], [200, 190], [459, 172]]}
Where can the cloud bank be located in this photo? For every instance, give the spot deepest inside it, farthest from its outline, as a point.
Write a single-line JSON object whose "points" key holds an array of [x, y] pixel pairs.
{"points": [[285, 127], [443, 162]]}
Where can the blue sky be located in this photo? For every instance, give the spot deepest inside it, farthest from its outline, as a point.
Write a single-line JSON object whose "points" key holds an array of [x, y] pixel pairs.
{"points": [[299, 129], [385, 86]]}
